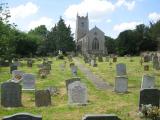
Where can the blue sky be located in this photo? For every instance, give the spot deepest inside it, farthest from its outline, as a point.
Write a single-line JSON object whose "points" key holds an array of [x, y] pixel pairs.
{"points": [[111, 16]]}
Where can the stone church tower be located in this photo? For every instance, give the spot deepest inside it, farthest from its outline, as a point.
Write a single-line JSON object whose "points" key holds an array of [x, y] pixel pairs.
{"points": [[89, 41], [82, 26]]}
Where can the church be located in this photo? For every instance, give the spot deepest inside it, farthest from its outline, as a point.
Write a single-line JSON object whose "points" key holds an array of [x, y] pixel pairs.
{"points": [[89, 41]]}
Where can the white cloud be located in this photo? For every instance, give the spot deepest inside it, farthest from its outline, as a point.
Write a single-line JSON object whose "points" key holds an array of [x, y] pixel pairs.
{"points": [[128, 4], [154, 16], [126, 26], [42, 21], [108, 20], [95, 9], [23, 11]]}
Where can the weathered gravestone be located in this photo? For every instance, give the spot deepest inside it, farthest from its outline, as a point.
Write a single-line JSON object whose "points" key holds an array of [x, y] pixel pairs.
{"points": [[100, 59], [121, 84], [28, 82], [71, 81], [43, 73], [93, 63], [114, 59], [121, 69], [147, 82], [12, 67], [74, 70], [42, 98], [107, 59], [22, 116], [146, 67], [156, 63], [11, 94], [149, 96], [146, 58], [100, 117], [17, 76], [77, 93], [29, 63], [53, 90]]}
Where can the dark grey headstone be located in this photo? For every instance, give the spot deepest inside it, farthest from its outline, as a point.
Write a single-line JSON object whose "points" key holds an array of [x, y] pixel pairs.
{"points": [[71, 81], [22, 116], [42, 98], [12, 68], [101, 117], [149, 96], [11, 94]]}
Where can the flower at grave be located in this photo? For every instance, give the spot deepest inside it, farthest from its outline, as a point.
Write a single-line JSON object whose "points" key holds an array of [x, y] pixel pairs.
{"points": [[18, 77], [149, 112]]}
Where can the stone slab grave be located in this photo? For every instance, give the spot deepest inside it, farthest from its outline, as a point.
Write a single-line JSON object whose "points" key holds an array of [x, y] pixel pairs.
{"points": [[28, 82], [100, 117], [42, 98], [13, 67], [148, 81], [121, 84], [17, 76], [77, 93], [69, 81], [121, 69], [23, 116], [11, 94], [149, 96]]}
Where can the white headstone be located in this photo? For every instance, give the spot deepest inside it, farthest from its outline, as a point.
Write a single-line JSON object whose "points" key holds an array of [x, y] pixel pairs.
{"points": [[147, 82]]}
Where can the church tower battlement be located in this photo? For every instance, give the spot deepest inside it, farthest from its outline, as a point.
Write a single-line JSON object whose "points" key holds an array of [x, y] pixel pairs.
{"points": [[82, 26]]}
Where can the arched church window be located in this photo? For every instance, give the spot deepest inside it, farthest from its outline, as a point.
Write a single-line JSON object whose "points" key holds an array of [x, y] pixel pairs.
{"points": [[95, 44]]}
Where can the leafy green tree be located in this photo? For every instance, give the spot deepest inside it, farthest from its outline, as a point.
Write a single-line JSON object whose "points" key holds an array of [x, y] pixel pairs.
{"points": [[110, 45]]}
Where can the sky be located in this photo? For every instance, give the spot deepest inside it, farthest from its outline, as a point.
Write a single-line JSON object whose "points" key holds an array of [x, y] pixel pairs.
{"points": [[111, 16]]}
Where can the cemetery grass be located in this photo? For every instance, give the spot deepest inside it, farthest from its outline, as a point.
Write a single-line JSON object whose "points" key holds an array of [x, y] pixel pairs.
{"points": [[100, 102]]}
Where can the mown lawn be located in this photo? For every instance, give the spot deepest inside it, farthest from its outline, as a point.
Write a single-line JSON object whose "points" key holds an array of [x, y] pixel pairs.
{"points": [[105, 102]]}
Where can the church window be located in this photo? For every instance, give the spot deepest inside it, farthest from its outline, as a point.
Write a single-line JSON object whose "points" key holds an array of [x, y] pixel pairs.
{"points": [[95, 44], [95, 33], [82, 24]]}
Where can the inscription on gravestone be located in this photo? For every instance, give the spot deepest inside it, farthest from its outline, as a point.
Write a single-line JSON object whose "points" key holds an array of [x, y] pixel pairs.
{"points": [[71, 81], [11, 94], [77, 93], [28, 82]]}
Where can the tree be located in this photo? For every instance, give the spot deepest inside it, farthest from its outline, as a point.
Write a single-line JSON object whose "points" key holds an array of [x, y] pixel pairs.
{"points": [[110, 45]]}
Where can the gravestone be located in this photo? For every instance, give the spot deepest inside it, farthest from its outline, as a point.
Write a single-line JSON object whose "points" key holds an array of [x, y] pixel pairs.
{"points": [[17, 76], [146, 58], [147, 82], [121, 84], [22, 116], [11, 94], [149, 96], [28, 82], [53, 90], [71, 81], [121, 69], [114, 59], [42, 98], [100, 117], [42, 73], [107, 59], [93, 63], [12, 67], [146, 67], [100, 59], [74, 70], [29, 63], [77, 93], [156, 63]]}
